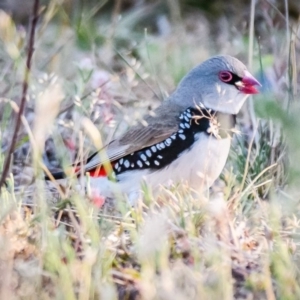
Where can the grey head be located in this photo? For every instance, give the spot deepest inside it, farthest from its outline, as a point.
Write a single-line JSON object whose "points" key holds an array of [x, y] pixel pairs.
{"points": [[221, 83]]}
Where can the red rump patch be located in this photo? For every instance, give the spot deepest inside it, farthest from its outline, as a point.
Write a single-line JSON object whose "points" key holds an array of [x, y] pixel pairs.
{"points": [[97, 172]]}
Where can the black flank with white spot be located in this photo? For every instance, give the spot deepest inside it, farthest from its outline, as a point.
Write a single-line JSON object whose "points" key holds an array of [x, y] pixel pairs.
{"points": [[160, 155]]}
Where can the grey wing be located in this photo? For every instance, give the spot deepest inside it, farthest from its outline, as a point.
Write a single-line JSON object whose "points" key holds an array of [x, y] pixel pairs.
{"points": [[135, 139]]}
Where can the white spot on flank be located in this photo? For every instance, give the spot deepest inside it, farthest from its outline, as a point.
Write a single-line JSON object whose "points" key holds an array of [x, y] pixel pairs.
{"points": [[182, 136], [156, 162], [187, 125], [126, 163], [180, 131], [173, 136], [181, 117], [159, 156], [143, 157], [158, 147], [186, 119], [181, 125], [132, 165], [139, 163], [168, 142], [119, 169], [148, 153], [116, 165], [189, 115], [162, 145], [121, 161], [153, 149], [147, 163]]}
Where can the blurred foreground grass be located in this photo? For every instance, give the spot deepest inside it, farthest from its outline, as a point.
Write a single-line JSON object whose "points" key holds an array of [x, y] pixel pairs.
{"points": [[99, 74]]}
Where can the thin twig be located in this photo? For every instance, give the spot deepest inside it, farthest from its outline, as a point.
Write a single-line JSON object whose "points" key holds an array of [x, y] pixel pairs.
{"points": [[251, 34], [250, 105], [255, 179], [287, 22], [136, 72], [248, 158], [83, 97], [281, 15], [24, 91]]}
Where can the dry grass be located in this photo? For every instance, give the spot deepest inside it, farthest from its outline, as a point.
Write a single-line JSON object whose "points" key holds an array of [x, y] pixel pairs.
{"points": [[89, 83]]}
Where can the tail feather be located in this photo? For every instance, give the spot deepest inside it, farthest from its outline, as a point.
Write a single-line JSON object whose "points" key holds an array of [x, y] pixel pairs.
{"points": [[56, 175]]}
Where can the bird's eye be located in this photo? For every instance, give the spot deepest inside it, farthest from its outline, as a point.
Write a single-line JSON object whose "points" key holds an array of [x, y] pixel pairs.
{"points": [[225, 76]]}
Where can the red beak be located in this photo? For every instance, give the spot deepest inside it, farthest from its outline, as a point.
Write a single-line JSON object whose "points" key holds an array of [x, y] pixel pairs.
{"points": [[248, 84]]}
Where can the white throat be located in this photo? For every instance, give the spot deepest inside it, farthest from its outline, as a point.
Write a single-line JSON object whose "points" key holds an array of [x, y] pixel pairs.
{"points": [[229, 100]]}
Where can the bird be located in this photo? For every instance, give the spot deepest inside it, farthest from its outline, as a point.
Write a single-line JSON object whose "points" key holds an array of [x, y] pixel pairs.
{"points": [[185, 140]]}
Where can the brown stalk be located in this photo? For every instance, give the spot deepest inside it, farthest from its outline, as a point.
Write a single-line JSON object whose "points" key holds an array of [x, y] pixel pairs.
{"points": [[24, 91]]}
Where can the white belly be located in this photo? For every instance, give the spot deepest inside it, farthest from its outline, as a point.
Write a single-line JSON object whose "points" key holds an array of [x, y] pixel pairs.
{"points": [[198, 167]]}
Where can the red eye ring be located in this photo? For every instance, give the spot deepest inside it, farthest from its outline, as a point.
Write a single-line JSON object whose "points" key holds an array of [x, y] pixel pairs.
{"points": [[225, 76]]}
